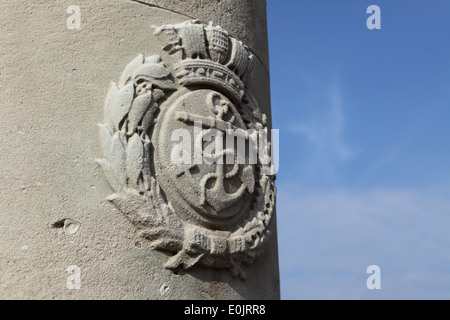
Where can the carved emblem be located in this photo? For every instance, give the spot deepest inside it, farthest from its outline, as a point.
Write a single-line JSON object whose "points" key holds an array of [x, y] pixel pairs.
{"points": [[210, 213]]}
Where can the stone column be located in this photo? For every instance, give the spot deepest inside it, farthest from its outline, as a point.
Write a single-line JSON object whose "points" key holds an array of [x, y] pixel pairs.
{"points": [[91, 205]]}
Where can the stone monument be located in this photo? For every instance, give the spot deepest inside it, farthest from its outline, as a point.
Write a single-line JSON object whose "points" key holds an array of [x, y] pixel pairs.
{"points": [[119, 181]]}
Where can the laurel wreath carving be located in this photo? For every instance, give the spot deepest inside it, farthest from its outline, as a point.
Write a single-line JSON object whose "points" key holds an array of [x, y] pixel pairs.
{"points": [[131, 110]]}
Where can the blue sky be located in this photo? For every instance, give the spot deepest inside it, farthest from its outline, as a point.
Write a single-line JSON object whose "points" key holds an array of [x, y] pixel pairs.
{"points": [[364, 147]]}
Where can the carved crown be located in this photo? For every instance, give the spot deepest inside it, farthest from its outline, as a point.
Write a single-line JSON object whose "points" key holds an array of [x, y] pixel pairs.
{"points": [[207, 56]]}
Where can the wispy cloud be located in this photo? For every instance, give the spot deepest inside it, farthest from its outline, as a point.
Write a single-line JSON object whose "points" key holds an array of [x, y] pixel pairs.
{"points": [[327, 239], [325, 132]]}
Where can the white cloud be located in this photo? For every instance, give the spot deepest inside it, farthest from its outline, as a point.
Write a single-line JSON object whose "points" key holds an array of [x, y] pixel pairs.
{"points": [[325, 132], [327, 240]]}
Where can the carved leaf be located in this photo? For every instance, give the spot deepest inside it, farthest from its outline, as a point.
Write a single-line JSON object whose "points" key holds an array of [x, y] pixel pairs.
{"points": [[135, 160], [122, 104], [118, 155], [109, 105], [135, 206], [146, 165], [117, 105], [127, 74], [111, 176], [105, 139], [184, 260], [138, 109], [114, 165], [156, 74], [148, 119], [153, 59], [151, 70]]}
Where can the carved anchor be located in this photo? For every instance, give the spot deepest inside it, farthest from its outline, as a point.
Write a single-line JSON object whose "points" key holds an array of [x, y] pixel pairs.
{"points": [[218, 197]]}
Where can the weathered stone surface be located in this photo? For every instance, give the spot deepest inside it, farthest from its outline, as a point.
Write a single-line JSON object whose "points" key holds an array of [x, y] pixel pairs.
{"points": [[53, 208]]}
